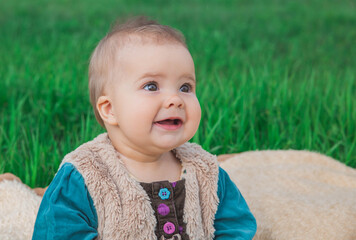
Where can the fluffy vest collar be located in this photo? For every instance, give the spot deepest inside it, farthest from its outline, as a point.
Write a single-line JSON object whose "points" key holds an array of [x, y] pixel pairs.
{"points": [[123, 207]]}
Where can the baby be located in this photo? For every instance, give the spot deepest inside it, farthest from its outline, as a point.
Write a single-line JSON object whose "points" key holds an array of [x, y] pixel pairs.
{"points": [[142, 179]]}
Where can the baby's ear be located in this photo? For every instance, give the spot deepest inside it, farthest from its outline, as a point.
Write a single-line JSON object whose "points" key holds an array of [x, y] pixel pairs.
{"points": [[105, 109]]}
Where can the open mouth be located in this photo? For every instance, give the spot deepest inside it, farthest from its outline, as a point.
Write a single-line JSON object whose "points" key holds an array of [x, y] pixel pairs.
{"points": [[170, 124]]}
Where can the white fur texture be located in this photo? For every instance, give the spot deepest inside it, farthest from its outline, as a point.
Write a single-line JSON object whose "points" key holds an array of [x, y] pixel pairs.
{"points": [[18, 209], [296, 195]]}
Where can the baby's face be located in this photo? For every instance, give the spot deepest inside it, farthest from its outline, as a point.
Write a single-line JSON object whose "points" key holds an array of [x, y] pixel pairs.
{"points": [[153, 96]]}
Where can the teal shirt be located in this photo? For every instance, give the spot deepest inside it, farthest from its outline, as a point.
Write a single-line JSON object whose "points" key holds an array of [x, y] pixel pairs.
{"points": [[67, 210]]}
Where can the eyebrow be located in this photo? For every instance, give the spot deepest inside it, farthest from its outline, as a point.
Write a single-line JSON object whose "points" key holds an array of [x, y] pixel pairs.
{"points": [[189, 76], [153, 75], [148, 75]]}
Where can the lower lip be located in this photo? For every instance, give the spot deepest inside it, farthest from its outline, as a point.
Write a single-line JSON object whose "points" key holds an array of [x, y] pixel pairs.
{"points": [[169, 127]]}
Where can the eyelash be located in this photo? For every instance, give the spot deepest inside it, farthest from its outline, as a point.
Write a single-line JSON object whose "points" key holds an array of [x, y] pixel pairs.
{"points": [[156, 84]]}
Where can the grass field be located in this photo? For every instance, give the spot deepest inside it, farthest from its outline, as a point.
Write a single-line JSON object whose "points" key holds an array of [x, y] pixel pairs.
{"points": [[271, 75]]}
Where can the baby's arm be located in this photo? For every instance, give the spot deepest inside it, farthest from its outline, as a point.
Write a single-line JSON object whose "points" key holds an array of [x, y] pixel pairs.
{"points": [[233, 219], [67, 210]]}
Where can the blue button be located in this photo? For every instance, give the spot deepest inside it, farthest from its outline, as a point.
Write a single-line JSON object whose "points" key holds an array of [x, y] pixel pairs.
{"points": [[164, 193]]}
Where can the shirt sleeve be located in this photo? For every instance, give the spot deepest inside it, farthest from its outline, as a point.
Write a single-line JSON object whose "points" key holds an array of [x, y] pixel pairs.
{"points": [[233, 219], [67, 210]]}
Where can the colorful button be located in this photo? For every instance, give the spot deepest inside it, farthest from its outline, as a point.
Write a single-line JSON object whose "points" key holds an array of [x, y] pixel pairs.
{"points": [[164, 193], [180, 229], [174, 184], [169, 228], [163, 209]]}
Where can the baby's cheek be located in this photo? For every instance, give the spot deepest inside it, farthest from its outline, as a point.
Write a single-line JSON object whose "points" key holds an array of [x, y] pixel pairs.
{"points": [[198, 116], [195, 114]]}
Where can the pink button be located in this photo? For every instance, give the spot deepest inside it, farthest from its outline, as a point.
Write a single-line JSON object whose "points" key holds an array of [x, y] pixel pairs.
{"points": [[163, 209], [169, 228]]}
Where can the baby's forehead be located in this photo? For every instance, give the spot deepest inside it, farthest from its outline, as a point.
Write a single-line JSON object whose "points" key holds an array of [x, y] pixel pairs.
{"points": [[123, 48], [133, 41], [123, 40]]}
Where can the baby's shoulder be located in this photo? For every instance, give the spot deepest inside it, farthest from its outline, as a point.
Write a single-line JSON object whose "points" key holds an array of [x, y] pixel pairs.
{"points": [[195, 154], [88, 153]]}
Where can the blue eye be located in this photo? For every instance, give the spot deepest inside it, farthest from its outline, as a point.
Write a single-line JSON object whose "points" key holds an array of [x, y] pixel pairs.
{"points": [[186, 88], [151, 87]]}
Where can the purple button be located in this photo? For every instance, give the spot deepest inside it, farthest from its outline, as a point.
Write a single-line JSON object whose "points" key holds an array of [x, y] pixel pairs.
{"points": [[180, 229], [163, 209], [169, 228]]}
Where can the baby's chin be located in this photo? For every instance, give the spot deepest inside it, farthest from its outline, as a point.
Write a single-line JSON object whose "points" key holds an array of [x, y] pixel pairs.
{"points": [[170, 143]]}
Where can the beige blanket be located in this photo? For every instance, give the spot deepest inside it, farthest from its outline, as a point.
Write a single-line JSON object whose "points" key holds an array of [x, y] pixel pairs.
{"points": [[296, 194], [18, 209]]}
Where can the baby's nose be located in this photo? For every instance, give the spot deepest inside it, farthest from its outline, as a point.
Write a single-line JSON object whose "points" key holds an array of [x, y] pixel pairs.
{"points": [[174, 101]]}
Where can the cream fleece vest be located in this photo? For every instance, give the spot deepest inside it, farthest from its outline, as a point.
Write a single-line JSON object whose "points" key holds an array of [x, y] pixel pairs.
{"points": [[123, 207]]}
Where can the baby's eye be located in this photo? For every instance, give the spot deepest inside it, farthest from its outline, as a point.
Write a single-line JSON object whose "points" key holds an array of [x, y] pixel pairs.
{"points": [[151, 87], [186, 88]]}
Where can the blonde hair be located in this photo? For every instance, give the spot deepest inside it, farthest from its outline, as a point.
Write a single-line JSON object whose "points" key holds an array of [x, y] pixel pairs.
{"points": [[104, 55]]}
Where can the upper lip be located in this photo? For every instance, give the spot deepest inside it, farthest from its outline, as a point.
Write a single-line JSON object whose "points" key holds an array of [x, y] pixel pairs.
{"points": [[170, 118]]}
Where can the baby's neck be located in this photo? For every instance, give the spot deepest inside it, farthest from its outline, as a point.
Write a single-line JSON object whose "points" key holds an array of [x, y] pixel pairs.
{"points": [[165, 167]]}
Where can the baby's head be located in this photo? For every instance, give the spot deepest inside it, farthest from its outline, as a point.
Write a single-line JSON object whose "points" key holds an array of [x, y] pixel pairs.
{"points": [[142, 86]]}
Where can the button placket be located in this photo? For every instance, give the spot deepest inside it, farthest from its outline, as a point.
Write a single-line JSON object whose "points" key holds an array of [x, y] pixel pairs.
{"points": [[167, 218]]}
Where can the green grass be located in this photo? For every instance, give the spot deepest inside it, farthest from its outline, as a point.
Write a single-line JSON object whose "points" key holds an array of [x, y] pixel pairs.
{"points": [[271, 75]]}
